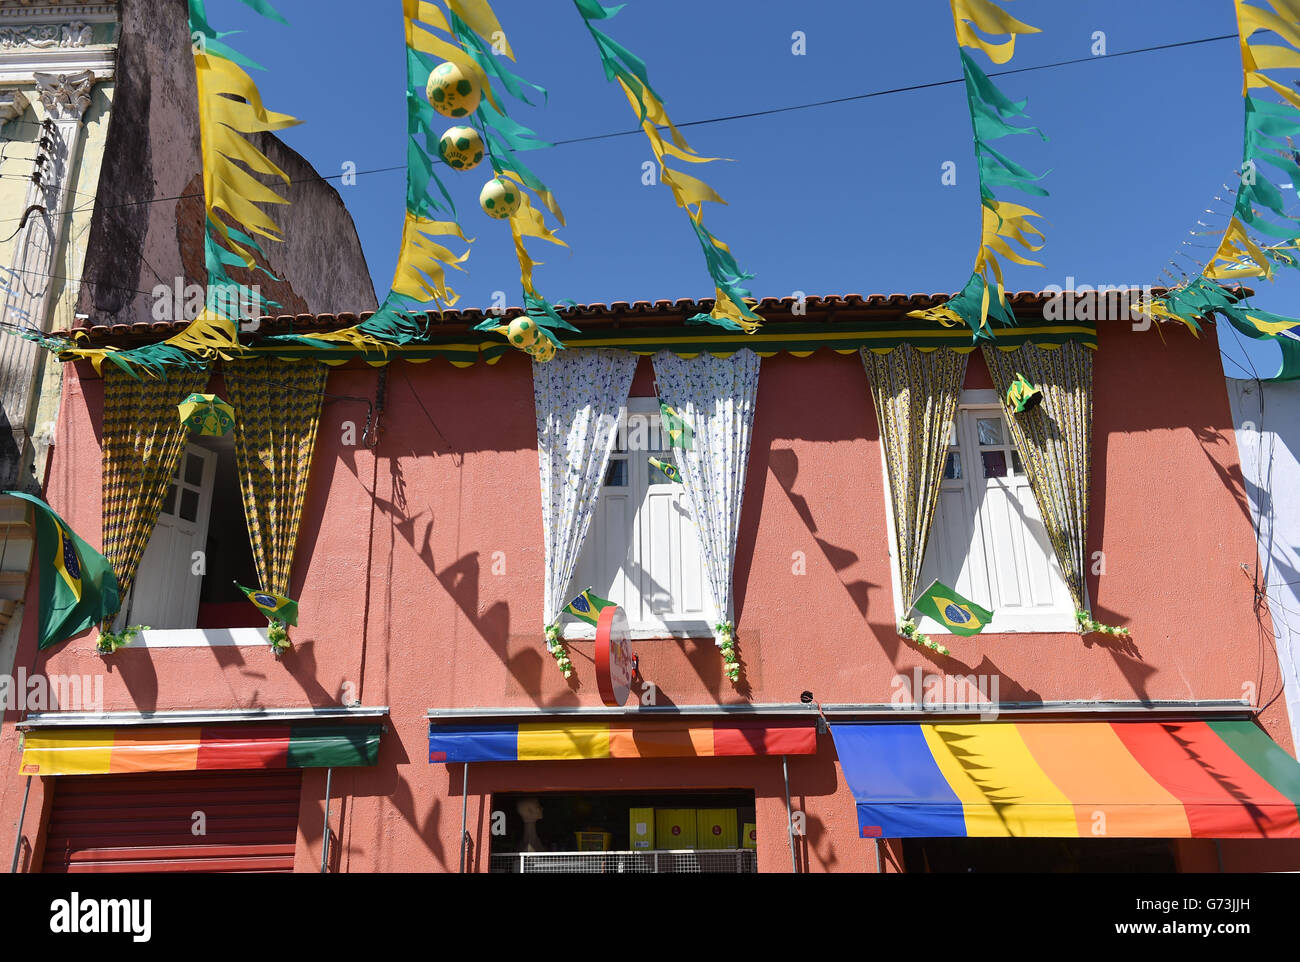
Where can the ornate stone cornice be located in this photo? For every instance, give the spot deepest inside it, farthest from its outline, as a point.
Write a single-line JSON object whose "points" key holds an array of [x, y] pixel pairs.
{"points": [[44, 36], [65, 96]]}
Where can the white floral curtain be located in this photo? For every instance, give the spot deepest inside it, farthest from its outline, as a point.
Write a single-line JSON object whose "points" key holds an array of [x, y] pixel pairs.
{"points": [[578, 396], [716, 398]]}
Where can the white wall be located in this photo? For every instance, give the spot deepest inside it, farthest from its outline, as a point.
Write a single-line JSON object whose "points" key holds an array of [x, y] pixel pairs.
{"points": [[1267, 421]]}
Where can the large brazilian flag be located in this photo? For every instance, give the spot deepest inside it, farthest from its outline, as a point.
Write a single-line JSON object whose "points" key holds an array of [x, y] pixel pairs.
{"points": [[957, 614], [78, 588]]}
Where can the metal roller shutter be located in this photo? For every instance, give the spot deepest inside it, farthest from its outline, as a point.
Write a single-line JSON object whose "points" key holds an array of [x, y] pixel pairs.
{"points": [[145, 823]]}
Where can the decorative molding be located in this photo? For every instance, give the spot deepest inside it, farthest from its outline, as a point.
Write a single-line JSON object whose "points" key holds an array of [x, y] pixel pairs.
{"points": [[43, 36], [65, 96], [12, 105]]}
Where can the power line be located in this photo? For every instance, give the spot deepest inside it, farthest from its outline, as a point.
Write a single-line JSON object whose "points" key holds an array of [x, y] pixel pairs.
{"points": [[726, 118]]}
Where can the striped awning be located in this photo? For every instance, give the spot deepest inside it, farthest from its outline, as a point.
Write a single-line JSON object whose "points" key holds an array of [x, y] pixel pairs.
{"points": [[560, 740], [105, 751], [1197, 779]]}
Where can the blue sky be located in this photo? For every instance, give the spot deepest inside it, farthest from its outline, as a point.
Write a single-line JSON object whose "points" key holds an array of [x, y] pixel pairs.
{"points": [[828, 200]]}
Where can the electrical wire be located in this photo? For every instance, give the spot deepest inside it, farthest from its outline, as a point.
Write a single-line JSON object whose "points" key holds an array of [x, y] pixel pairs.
{"points": [[727, 118]]}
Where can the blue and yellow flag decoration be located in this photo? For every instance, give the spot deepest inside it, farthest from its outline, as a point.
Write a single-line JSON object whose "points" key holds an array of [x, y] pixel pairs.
{"points": [[78, 588], [275, 607], [230, 107], [731, 309], [959, 615], [1259, 211], [667, 469], [587, 607], [1004, 223], [680, 434]]}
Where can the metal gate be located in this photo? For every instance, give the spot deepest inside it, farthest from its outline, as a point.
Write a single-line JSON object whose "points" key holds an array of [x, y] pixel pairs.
{"points": [[186, 822]]}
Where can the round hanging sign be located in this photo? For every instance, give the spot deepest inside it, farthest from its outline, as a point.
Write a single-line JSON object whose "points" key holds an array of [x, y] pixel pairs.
{"points": [[613, 656]]}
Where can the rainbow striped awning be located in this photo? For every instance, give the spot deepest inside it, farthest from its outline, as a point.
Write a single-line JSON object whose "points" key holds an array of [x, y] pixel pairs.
{"points": [[1198, 779], [105, 751], [559, 740]]}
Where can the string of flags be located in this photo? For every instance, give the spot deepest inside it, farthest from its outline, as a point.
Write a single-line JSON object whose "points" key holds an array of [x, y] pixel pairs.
{"points": [[731, 309], [229, 108], [1259, 207], [1003, 222]]}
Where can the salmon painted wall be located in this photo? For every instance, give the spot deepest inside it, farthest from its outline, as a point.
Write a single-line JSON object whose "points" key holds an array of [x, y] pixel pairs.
{"points": [[419, 577]]}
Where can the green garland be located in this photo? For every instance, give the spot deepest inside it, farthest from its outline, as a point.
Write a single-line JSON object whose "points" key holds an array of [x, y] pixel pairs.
{"points": [[727, 642], [111, 641], [556, 647], [1087, 626], [277, 633], [907, 629]]}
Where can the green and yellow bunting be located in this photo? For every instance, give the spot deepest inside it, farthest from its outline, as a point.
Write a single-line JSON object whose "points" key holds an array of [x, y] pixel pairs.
{"points": [[1004, 224], [731, 309], [78, 588], [1260, 233], [959, 615]]}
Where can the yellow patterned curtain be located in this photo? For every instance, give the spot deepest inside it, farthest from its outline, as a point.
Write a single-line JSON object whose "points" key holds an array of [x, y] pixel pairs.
{"points": [[916, 394], [1055, 443], [277, 410], [142, 442]]}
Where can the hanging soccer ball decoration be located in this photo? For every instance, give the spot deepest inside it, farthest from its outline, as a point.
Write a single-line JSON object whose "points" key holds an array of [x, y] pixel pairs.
{"points": [[1023, 396], [499, 198], [543, 349], [522, 332], [461, 148], [451, 91]]}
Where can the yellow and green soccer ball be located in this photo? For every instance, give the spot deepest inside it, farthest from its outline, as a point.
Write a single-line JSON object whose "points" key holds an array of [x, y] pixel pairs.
{"points": [[461, 148], [452, 92], [522, 332], [499, 198], [543, 349]]}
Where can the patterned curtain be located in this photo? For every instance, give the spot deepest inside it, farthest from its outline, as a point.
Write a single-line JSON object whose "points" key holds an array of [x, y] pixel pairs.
{"points": [[578, 397], [142, 441], [916, 394], [716, 398], [277, 410], [1055, 442]]}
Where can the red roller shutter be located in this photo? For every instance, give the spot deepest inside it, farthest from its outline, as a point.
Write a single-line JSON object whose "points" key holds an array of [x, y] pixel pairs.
{"points": [[144, 823]]}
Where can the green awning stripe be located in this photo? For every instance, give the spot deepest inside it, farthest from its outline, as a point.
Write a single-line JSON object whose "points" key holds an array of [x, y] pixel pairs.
{"points": [[333, 746]]}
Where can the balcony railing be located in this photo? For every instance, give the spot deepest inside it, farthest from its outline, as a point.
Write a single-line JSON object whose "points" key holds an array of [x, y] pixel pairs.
{"points": [[726, 861]]}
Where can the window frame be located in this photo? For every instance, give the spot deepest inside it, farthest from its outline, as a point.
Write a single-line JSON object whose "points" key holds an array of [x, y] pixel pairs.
{"points": [[1059, 620], [638, 483]]}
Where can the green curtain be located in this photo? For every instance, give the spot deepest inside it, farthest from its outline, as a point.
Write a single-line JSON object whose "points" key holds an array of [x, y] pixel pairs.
{"points": [[277, 410], [1055, 443], [916, 394], [142, 443]]}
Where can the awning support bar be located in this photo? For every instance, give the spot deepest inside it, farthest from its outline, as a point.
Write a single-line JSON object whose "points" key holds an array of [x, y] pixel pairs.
{"points": [[18, 840], [464, 814], [325, 838], [789, 814]]}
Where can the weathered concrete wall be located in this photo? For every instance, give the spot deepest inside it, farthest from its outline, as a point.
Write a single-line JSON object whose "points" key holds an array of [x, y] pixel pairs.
{"points": [[148, 226]]}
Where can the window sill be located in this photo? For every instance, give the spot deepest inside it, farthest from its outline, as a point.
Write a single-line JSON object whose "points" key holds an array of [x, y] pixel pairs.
{"points": [[1055, 624], [200, 638], [684, 631]]}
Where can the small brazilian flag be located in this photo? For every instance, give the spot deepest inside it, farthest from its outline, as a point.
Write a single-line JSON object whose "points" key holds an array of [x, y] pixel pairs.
{"points": [[77, 585], [679, 432], [275, 607], [668, 470], [951, 610], [587, 607]]}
